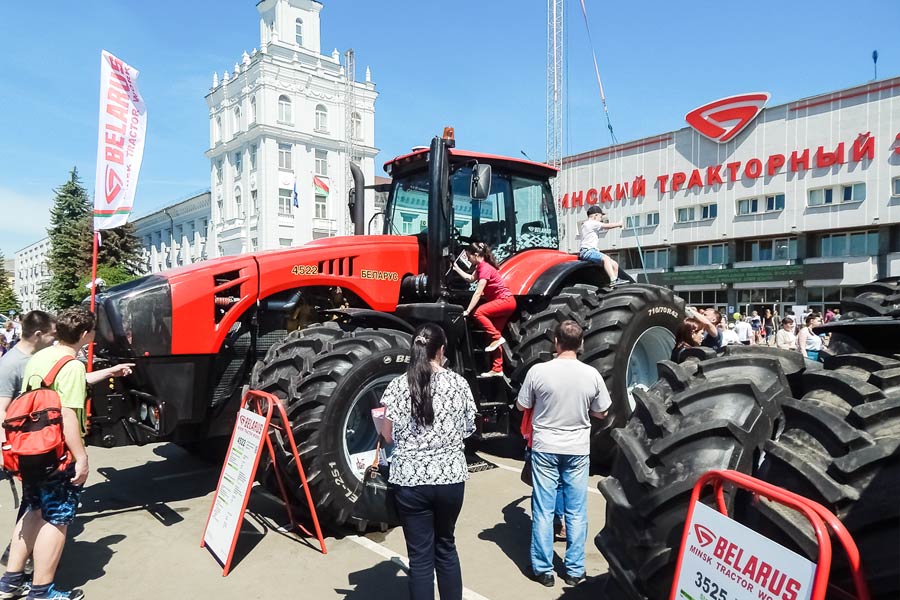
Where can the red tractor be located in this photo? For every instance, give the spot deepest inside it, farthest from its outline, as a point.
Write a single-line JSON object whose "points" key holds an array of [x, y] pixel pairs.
{"points": [[327, 325]]}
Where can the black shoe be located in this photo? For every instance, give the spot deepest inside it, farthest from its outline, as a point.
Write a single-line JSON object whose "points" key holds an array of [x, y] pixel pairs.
{"points": [[574, 580], [545, 579]]}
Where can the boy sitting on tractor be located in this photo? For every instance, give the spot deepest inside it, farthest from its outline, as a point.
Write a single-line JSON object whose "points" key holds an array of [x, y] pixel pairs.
{"points": [[590, 241]]}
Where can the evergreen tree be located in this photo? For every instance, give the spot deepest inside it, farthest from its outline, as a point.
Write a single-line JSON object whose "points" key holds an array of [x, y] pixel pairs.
{"points": [[71, 248], [8, 299], [120, 250], [69, 257]]}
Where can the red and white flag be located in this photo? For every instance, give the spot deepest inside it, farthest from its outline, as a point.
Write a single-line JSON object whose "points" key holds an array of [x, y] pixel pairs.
{"points": [[322, 188], [120, 145]]}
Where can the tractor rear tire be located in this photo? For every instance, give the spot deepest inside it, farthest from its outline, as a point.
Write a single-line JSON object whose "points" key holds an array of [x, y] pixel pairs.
{"points": [[841, 448], [701, 415], [321, 373], [627, 330]]}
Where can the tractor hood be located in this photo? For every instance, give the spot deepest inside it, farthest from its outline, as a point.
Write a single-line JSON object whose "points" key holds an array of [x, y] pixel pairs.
{"points": [[189, 310]]}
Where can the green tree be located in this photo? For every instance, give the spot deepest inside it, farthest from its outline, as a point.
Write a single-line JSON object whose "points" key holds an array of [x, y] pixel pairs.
{"points": [[69, 257], [8, 299], [71, 248], [120, 250]]}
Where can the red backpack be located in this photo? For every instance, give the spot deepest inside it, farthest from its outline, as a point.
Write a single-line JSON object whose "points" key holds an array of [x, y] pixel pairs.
{"points": [[35, 444]]}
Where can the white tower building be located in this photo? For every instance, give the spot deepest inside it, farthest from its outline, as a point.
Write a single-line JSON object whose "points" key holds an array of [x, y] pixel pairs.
{"points": [[281, 124]]}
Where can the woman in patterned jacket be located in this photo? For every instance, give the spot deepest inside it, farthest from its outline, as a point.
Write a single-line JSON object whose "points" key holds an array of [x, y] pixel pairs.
{"points": [[429, 411]]}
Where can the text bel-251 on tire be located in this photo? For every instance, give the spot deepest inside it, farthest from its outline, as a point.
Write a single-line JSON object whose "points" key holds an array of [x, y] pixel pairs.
{"points": [[329, 380], [841, 448], [700, 415], [628, 330]]}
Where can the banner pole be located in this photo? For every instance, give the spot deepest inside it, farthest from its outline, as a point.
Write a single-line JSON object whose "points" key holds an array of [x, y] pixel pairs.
{"points": [[90, 361], [90, 355]]}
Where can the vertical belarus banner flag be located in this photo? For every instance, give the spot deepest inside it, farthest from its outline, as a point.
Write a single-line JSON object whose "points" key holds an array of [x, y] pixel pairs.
{"points": [[120, 147]]}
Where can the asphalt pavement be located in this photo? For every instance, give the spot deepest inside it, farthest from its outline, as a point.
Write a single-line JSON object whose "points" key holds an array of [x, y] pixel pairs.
{"points": [[138, 532]]}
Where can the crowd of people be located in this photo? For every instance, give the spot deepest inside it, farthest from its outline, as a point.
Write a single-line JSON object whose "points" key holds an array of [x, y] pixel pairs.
{"points": [[50, 493], [709, 328]]}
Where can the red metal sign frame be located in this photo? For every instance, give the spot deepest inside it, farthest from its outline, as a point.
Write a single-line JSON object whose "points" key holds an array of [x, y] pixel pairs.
{"points": [[264, 404], [819, 517]]}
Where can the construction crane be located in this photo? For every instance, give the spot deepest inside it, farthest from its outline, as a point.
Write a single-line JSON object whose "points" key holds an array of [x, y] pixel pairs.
{"points": [[555, 58]]}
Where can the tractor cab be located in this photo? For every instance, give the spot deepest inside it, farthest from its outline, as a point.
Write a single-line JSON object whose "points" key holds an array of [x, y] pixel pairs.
{"points": [[504, 202]]}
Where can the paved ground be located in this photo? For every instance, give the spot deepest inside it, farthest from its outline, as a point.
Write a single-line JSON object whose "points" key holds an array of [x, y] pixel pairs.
{"points": [[138, 537]]}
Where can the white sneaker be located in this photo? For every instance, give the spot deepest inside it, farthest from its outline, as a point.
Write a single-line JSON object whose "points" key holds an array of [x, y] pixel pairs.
{"points": [[495, 344], [491, 374]]}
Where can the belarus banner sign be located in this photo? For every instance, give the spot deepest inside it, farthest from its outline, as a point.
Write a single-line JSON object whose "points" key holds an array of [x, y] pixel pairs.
{"points": [[120, 146]]}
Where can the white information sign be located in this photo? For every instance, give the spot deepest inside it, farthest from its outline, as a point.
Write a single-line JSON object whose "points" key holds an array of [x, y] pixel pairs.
{"points": [[724, 560], [234, 485]]}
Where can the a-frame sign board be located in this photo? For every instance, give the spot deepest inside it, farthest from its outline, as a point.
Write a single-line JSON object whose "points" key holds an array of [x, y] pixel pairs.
{"points": [[251, 434]]}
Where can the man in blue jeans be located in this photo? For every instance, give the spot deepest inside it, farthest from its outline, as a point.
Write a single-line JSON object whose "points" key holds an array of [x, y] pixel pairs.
{"points": [[564, 394]]}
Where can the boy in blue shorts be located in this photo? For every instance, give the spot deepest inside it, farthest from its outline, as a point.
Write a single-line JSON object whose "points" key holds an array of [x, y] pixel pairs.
{"points": [[590, 242]]}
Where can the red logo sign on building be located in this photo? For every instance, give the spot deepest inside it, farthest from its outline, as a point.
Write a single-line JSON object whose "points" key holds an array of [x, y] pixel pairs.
{"points": [[723, 119]]}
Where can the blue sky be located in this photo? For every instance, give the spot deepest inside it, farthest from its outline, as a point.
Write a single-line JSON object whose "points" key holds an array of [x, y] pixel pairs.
{"points": [[477, 65]]}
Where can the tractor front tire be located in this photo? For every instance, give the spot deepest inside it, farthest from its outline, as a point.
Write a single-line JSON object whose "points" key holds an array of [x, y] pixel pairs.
{"points": [[627, 331], [841, 448], [700, 416], [329, 379]]}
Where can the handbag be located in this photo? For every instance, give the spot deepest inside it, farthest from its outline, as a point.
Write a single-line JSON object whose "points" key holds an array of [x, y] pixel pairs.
{"points": [[376, 502], [527, 475], [527, 432]]}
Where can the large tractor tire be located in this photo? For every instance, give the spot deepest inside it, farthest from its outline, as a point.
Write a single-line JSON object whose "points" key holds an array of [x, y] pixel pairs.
{"points": [[877, 299], [793, 364], [870, 320], [628, 330], [701, 415], [841, 448], [329, 379]]}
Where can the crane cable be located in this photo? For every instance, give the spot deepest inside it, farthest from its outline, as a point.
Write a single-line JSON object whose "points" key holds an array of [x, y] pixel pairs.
{"points": [[597, 72], [609, 126]]}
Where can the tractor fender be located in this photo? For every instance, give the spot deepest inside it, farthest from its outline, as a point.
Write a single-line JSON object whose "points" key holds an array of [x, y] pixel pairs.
{"points": [[567, 273], [367, 317]]}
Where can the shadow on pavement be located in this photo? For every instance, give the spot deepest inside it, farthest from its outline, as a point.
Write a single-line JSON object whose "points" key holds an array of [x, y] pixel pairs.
{"points": [[381, 581], [84, 561], [513, 534], [591, 588], [151, 485]]}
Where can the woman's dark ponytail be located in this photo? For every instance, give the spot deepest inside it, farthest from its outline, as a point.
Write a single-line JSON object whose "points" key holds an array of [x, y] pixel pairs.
{"points": [[427, 341], [483, 250]]}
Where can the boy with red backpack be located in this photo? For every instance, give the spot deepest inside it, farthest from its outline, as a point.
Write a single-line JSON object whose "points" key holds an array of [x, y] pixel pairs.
{"points": [[51, 491]]}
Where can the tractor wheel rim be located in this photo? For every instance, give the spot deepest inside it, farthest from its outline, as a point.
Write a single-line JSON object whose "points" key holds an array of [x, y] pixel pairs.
{"points": [[654, 345], [359, 435]]}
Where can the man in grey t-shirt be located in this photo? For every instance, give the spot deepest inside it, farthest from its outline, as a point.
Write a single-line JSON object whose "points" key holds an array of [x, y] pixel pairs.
{"points": [[38, 332], [563, 394]]}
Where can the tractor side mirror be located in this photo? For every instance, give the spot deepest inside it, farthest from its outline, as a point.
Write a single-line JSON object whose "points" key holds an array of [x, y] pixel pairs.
{"points": [[481, 182]]}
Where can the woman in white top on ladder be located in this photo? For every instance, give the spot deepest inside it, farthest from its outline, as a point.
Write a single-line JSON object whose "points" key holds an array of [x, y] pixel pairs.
{"points": [[809, 342]]}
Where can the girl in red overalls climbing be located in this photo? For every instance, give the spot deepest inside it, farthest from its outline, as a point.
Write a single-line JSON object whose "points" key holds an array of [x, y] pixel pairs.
{"points": [[499, 303]]}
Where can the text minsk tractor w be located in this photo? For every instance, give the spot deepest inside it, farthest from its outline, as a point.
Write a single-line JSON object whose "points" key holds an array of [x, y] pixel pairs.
{"points": [[327, 325]]}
